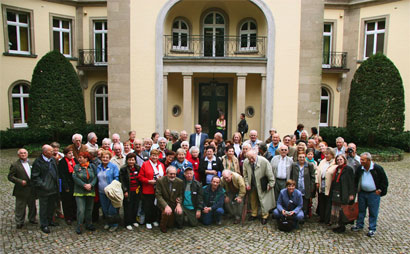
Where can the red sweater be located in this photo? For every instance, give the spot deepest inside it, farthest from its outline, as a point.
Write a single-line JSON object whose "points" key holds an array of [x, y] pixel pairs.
{"points": [[147, 173], [195, 166]]}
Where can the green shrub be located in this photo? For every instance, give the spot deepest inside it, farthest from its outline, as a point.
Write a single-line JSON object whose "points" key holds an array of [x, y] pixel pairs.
{"points": [[329, 134], [15, 138], [402, 141], [56, 97], [376, 102]]}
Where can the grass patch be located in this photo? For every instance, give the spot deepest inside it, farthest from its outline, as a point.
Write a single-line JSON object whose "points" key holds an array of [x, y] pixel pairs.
{"points": [[382, 153]]}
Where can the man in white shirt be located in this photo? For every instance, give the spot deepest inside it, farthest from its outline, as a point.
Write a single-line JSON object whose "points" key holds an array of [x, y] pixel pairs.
{"points": [[116, 140], [118, 159], [92, 145], [253, 141], [281, 167], [198, 138], [20, 175]]}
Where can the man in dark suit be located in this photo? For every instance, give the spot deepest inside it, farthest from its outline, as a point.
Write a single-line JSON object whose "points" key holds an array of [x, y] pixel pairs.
{"points": [[45, 179], [198, 138], [20, 175]]}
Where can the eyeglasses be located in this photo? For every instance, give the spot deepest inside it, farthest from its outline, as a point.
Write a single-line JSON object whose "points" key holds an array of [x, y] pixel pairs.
{"points": [[284, 150]]}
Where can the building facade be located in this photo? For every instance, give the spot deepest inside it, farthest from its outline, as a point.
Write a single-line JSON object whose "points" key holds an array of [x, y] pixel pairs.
{"points": [[171, 64]]}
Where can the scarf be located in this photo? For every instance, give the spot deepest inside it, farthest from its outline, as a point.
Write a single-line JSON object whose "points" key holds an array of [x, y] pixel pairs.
{"points": [[312, 160], [85, 165], [70, 164], [340, 173]]}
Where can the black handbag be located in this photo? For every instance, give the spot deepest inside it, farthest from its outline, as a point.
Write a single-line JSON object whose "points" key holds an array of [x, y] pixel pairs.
{"points": [[285, 224], [264, 183]]}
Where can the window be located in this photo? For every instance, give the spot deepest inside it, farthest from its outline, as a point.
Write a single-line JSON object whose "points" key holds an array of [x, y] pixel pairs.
{"points": [[374, 37], [19, 102], [101, 104], [214, 33], [248, 36], [62, 36], [324, 107], [18, 32], [327, 45], [180, 34], [100, 42]]}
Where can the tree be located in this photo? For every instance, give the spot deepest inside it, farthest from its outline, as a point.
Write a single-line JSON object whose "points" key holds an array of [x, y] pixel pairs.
{"points": [[376, 101], [56, 98]]}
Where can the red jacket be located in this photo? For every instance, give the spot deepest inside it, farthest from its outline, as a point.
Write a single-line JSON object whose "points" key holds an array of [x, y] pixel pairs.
{"points": [[195, 166], [147, 173]]}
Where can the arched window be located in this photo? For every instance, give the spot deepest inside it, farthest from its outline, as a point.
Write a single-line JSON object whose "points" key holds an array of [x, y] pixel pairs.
{"points": [[101, 104], [19, 102], [214, 34], [324, 107], [248, 33], [180, 33]]}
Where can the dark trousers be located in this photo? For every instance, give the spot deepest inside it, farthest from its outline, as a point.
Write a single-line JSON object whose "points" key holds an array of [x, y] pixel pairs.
{"points": [[212, 216], [168, 221], [131, 208], [47, 208], [305, 208], [69, 205], [96, 211], [84, 210], [324, 207], [151, 211], [20, 211], [279, 185]]}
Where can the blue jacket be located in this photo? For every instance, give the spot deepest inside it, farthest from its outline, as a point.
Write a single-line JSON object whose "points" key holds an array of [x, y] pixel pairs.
{"points": [[111, 171], [181, 167], [284, 199], [213, 199]]}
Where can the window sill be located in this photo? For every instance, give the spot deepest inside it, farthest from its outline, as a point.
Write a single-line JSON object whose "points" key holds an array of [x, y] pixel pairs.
{"points": [[70, 58], [19, 55], [182, 51], [247, 52]]}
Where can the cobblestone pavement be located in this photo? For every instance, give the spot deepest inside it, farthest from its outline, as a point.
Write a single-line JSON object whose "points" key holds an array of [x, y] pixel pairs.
{"points": [[392, 234]]}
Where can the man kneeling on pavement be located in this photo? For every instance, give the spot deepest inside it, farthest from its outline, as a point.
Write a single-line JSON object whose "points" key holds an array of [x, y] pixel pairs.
{"points": [[169, 193], [290, 203], [234, 186], [213, 202]]}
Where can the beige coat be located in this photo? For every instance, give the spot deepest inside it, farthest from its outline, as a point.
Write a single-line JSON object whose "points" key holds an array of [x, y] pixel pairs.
{"points": [[262, 168], [330, 171], [234, 166], [238, 182], [275, 162]]}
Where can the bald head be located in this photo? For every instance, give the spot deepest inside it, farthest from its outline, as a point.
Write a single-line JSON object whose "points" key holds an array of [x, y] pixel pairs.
{"points": [[47, 151]]}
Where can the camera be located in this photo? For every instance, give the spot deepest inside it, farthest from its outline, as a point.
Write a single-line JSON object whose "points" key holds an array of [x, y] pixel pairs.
{"points": [[350, 151]]}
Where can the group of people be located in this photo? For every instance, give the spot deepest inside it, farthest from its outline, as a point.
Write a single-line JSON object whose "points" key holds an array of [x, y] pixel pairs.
{"points": [[176, 180]]}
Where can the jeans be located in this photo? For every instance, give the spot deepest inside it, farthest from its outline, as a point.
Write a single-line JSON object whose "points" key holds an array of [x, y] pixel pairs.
{"points": [[371, 201], [208, 218], [109, 211], [84, 210]]}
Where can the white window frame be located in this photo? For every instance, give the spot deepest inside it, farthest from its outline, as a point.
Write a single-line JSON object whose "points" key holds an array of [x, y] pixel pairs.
{"points": [[248, 33], [21, 95], [214, 26], [62, 30], [328, 34], [375, 32], [180, 31], [104, 95], [104, 33], [17, 24], [327, 98]]}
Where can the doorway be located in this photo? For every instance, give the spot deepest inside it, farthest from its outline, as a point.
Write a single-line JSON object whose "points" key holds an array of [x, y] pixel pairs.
{"points": [[213, 100]]}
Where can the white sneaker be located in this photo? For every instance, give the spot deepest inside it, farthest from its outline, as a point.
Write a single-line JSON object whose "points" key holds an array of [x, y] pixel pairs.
{"points": [[106, 227], [148, 225], [136, 225], [155, 224], [129, 227]]}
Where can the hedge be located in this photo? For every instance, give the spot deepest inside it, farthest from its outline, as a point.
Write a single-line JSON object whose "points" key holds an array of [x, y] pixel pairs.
{"points": [[15, 138]]}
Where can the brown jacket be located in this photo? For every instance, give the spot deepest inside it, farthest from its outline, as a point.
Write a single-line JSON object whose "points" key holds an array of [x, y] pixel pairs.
{"points": [[165, 196], [16, 175], [83, 148]]}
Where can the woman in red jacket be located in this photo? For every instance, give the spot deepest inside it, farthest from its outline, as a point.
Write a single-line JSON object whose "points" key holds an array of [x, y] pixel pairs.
{"points": [[150, 172]]}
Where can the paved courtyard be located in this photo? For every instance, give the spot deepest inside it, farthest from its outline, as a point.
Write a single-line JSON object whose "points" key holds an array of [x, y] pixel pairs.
{"points": [[392, 232]]}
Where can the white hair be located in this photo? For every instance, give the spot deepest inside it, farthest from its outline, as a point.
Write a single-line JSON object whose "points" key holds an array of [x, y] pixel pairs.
{"points": [[91, 135], [184, 143], [340, 139], [77, 135], [367, 154], [106, 140], [170, 167], [193, 148], [247, 145], [162, 139], [115, 135]]}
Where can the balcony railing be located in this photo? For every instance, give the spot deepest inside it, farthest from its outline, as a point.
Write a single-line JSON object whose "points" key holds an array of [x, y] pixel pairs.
{"points": [[215, 46], [334, 60], [92, 57]]}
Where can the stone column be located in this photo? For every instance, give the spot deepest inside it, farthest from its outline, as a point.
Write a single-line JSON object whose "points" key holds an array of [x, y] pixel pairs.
{"points": [[263, 104], [165, 100], [187, 101], [240, 95]]}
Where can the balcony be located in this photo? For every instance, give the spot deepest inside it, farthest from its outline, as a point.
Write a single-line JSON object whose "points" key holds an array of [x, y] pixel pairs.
{"points": [[215, 47], [334, 61], [92, 59]]}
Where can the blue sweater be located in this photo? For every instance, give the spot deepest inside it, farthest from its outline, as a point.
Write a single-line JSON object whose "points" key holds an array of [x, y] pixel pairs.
{"points": [[284, 200]]}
